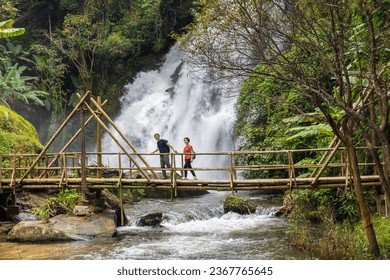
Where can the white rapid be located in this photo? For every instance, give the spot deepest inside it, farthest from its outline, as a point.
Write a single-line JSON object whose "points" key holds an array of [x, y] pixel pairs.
{"points": [[194, 227], [172, 102]]}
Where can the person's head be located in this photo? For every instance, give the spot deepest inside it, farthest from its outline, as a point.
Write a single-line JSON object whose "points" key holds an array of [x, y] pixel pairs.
{"points": [[157, 136], [186, 140]]}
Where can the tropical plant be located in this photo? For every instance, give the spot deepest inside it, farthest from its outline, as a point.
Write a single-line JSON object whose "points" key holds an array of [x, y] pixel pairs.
{"points": [[6, 29], [14, 86]]}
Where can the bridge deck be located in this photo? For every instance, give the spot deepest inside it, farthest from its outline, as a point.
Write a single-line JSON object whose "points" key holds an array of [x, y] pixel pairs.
{"points": [[64, 170], [222, 185]]}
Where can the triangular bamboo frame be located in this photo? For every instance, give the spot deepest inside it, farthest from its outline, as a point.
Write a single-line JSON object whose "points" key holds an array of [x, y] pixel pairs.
{"points": [[83, 104]]}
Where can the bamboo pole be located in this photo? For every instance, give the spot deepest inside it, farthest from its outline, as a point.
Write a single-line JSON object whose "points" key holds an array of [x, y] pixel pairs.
{"points": [[72, 139], [81, 102], [117, 141], [264, 181], [122, 135], [234, 166], [121, 189], [84, 188], [220, 187], [173, 175], [291, 169], [13, 175], [99, 142], [45, 171], [63, 169], [325, 164], [231, 173]]}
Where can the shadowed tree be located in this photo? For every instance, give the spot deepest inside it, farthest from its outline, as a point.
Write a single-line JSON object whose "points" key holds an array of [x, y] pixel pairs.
{"points": [[332, 52]]}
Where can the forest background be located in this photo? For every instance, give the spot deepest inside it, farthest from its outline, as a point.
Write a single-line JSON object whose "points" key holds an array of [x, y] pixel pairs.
{"points": [[311, 71]]}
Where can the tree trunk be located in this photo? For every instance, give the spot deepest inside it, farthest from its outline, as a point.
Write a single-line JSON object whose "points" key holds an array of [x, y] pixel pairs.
{"points": [[357, 184], [386, 166]]}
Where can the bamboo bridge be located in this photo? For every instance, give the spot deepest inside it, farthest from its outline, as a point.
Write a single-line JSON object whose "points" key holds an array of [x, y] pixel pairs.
{"points": [[129, 169], [65, 170]]}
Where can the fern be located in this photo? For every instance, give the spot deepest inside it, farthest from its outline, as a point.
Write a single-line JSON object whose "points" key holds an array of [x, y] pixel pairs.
{"points": [[66, 199]]}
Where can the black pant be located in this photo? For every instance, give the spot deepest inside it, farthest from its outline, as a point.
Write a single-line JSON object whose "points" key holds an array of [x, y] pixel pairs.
{"points": [[187, 165]]}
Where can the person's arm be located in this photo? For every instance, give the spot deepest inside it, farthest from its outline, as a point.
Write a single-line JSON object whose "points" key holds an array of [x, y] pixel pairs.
{"points": [[170, 146], [154, 151]]}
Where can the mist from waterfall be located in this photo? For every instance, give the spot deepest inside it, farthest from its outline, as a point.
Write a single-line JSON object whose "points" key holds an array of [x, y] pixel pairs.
{"points": [[173, 102]]}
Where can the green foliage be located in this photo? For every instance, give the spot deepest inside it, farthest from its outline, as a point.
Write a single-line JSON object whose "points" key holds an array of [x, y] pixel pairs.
{"points": [[346, 207], [66, 199], [327, 205], [17, 135], [100, 44], [382, 230], [44, 212], [78, 41], [139, 193], [6, 29], [7, 10], [273, 116], [342, 241], [15, 86]]}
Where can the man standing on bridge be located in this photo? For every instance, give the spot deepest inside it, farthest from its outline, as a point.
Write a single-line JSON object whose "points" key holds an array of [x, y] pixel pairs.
{"points": [[163, 146]]}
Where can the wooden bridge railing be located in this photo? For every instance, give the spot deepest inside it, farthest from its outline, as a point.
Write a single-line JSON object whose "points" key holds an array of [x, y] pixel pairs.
{"points": [[238, 170]]}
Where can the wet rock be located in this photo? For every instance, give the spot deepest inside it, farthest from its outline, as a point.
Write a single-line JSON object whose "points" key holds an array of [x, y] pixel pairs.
{"points": [[5, 227], [241, 205], [152, 219], [287, 208], [282, 211], [30, 200], [64, 227], [35, 231]]}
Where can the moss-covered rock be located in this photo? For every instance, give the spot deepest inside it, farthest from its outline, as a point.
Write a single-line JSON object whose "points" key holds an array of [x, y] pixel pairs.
{"points": [[64, 227], [17, 135], [241, 205], [152, 220]]}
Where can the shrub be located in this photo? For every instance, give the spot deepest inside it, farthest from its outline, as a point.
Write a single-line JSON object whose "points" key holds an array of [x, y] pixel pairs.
{"points": [[63, 203]]}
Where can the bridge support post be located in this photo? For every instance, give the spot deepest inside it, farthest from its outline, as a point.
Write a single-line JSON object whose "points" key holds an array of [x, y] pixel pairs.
{"points": [[382, 205], [84, 188], [99, 142], [82, 208], [99, 151], [231, 172]]}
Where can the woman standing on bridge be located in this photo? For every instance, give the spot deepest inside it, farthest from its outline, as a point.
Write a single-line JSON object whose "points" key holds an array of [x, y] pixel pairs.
{"points": [[188, 157]]}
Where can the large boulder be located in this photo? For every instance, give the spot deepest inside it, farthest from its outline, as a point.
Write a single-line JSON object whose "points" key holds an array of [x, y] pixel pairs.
{"points": [[241, 205], [64, 227], [152, 220], [35, 231]]}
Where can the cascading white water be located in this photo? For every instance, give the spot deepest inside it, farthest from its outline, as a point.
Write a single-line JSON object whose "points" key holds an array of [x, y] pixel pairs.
{"points": [[170, 101]]}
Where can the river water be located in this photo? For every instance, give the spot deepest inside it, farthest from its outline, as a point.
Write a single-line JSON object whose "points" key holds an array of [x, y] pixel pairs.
{"points": [[193, 228]]}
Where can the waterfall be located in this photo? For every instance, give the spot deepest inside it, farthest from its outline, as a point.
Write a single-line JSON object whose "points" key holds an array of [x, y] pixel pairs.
{"points": [[173, 102]]}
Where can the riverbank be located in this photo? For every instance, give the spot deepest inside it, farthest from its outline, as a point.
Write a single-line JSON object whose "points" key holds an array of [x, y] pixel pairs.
{"points": [[193, 227], [328, 224]]}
